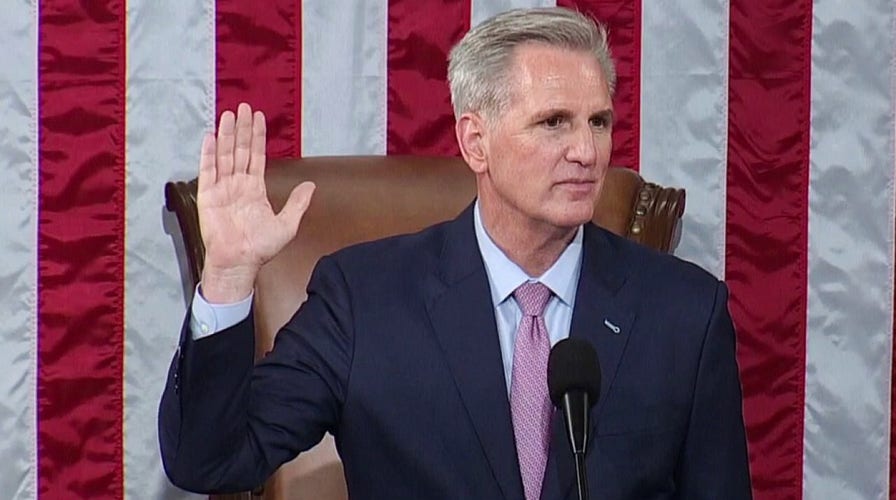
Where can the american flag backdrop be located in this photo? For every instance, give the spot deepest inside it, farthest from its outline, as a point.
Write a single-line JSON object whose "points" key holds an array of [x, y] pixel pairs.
{"points": [[777, 116]]}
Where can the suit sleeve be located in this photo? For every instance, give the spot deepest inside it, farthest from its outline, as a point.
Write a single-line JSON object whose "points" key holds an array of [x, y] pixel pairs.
{"points": [[226, 425], [714, 462]]}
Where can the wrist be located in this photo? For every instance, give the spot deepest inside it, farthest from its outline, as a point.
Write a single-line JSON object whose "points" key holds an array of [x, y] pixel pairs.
{"points": [[227, 285]]}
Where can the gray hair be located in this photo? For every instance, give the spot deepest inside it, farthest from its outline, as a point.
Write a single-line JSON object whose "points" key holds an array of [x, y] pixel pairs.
{"points": [[477, 65]]}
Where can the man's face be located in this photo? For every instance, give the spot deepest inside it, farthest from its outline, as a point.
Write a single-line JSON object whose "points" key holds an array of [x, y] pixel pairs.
{"points": [[546, 155]]}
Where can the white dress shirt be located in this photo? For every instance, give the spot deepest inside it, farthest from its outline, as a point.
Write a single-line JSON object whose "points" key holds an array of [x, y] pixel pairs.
{"points": [[504, 276]]}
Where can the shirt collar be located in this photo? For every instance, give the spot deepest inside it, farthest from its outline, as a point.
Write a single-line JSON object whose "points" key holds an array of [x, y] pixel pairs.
{"points": [[505, 276]]}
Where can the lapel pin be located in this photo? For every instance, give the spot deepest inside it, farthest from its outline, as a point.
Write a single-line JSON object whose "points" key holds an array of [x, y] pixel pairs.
{"points": [[615, 329]]}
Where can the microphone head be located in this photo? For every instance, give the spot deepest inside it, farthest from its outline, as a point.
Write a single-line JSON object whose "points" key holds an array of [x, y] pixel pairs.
{"points": [[573, 365]]}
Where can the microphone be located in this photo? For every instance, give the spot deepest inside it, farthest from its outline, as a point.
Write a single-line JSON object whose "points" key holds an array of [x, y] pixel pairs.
{"points": [[574, 386]]}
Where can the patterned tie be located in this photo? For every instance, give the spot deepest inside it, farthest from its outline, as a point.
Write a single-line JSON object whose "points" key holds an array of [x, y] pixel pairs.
{"points": [[529, 402]]}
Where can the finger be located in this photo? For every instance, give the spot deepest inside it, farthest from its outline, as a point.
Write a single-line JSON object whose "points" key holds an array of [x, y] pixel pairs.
{"points": [[296, 206], [225, 144], [243, 139], [207, 174], [259, 141]]}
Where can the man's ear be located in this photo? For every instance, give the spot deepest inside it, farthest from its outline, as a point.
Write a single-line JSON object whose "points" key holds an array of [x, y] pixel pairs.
{"points": [[470, 131]]}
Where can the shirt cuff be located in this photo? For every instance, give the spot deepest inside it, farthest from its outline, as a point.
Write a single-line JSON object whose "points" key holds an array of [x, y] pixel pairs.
{"points": [[207, 319]]}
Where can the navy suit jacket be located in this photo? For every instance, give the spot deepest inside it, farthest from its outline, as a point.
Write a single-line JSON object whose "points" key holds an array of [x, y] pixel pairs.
{"points": [[396, 353]]}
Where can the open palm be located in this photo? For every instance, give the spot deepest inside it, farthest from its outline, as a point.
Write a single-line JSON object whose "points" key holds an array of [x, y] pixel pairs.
{"points": [[239, 227]]}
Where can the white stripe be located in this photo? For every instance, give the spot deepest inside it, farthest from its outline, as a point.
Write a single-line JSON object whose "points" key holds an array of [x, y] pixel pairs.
{"points": [[684, 116], [343, 77], [850, 282], [18, 246], [480, 10], [170, 103]]}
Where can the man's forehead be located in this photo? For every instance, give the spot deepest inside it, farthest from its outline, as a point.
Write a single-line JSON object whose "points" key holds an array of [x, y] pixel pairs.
{"points": [[539, 61], [560, 77]]}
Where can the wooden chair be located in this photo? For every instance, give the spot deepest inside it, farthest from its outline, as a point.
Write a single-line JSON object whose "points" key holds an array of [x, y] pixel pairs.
{"points": [[361, 198]]}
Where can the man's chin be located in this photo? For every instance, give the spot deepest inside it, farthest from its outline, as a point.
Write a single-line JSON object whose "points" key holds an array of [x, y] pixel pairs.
{"points": [[575, 216]]}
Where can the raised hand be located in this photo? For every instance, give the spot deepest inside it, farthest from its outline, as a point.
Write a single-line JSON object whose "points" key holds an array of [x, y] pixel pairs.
{"points": [[239, 227]]}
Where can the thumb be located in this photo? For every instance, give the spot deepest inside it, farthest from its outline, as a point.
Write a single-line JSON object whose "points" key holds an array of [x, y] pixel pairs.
{"points": [[296, 206]]}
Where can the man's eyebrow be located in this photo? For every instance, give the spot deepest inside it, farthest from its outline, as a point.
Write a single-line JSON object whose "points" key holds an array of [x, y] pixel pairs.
{"points": [[549, 112], [605, 115]]}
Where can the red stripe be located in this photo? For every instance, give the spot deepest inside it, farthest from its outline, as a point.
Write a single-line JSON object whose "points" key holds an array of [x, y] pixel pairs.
{"points": [[258, 60], [767, 216], [893, 392], [893, 339], [297, 82], [420, 119], [81, 249], [623, 19]]}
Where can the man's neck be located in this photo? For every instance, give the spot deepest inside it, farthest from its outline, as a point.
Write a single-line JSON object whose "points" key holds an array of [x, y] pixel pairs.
{"points": [[533, 246]]}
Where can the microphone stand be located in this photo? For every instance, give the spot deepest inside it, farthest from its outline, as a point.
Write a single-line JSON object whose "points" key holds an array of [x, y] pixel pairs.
{"points": [[576, 410], [581, 481]]}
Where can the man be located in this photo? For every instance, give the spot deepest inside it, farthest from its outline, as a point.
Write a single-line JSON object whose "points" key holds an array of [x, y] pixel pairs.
{"points": [[424, 354]]}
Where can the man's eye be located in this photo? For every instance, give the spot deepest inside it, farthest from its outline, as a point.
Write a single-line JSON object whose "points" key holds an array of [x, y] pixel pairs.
{"points": [[553, 122], [599, 122]]}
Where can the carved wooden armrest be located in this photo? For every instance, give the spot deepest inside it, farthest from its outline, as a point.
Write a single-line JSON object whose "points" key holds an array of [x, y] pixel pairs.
{"points": [[656, 216], [180, 198]]}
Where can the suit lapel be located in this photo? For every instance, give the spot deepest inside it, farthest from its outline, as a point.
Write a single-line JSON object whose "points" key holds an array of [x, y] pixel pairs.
{"points": [[463, 318], [600, 318]]}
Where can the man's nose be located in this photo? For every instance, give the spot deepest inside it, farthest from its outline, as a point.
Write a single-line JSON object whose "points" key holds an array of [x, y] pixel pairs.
{"points": [[583, 146]]}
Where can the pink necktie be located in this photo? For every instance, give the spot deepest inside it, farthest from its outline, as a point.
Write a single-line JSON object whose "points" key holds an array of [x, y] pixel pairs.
{"points": [[529, 402]]}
